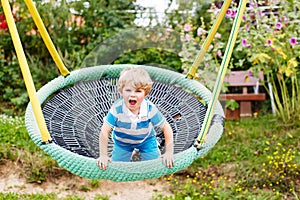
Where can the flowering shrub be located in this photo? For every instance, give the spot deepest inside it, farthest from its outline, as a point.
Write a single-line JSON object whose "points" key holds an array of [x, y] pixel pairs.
{"points": [[3, 23], [74, 35], [192, 37], [270, 42]]}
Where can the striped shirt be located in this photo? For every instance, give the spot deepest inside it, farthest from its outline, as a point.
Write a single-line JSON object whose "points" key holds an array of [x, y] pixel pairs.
{"points": [[130, 129]]}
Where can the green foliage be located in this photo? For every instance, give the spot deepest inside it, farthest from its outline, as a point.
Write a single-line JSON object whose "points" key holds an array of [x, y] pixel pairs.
{"points": [[95, 183], [232, 104], [84, 188], [79, 29], [16, 145], [101, 197], [152, 57], [11, 83], [73, 197], [270, 44], [151, 46], [14, 196], [194, 31], [257, 158], [74, 35], [267, 41]]}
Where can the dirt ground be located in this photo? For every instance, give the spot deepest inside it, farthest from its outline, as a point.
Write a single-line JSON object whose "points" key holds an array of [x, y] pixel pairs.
{"points": [[12, 181]]}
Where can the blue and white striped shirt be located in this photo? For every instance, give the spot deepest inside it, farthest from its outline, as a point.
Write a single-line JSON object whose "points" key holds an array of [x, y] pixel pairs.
{"points": [[130, 129]]}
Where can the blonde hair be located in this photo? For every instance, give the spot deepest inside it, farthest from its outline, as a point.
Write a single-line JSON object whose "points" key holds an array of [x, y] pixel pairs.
{"points": [[137, 78]]}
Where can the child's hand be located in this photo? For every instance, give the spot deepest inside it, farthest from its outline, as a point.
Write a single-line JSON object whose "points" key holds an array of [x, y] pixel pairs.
{"points": [[168, 159], [102, 162]]}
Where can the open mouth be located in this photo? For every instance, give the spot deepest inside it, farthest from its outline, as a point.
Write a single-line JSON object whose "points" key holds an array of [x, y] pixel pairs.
{"points": [[132, 102]]}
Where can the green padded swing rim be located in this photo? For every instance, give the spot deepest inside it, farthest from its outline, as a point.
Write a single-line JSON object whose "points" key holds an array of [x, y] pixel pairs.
{"points": [[121, 171]]}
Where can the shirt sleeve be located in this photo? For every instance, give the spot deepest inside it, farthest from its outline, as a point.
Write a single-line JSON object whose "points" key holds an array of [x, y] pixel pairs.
{"points": [[157, 118], [110, 119]]}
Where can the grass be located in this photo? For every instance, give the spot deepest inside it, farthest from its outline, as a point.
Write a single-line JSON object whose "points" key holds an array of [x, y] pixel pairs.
{"points": [[255, 159], [16, 146], [50, 196]]}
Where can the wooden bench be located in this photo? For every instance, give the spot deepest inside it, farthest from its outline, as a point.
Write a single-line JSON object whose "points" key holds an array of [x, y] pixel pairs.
{"points": [[242, 81]]}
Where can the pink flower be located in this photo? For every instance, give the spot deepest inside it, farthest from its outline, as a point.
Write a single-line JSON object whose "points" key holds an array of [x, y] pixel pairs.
{"points": [[278, 25], [219, 53], [216, 12], [218, 35], [187, 27], [250, 73], [187, 37], [244, 42], [293, 41], [286, 19], [261, 14], [233, 13], [269, 42], [201, 31], [189, 55], [247, 27], [182, 38], [230, 13]]}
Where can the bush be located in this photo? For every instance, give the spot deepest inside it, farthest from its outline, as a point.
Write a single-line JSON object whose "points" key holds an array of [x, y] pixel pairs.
{"points": [[74, 34], [270, 42]]}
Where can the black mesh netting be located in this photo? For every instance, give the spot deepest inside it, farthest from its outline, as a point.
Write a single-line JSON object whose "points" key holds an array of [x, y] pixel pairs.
{"points": [[75, 114]]}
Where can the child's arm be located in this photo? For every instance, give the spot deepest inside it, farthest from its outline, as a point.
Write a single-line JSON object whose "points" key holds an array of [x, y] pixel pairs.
{"points": [[168, 155], [103, 142]]}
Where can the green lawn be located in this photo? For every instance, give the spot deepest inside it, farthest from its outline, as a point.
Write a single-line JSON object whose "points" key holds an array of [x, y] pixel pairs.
{"points": [[255, 159]]}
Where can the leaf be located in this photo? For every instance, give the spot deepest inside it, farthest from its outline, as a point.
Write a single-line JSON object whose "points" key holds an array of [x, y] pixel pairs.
{"points": [[261, 58], [292, 63]]}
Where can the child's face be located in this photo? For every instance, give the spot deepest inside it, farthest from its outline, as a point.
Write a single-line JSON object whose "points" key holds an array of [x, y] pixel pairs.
{"points": [[133, 98]]}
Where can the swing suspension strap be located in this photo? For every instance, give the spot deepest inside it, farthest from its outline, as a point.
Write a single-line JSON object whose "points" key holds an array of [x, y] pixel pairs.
{"points": [[193, 69], [223, 68], [45, 136], [26, 72], [47, 40]]}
